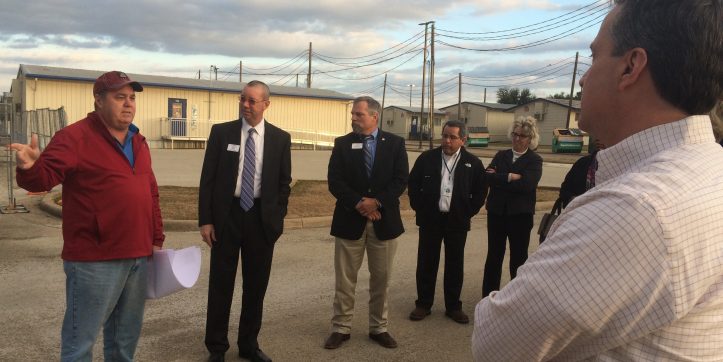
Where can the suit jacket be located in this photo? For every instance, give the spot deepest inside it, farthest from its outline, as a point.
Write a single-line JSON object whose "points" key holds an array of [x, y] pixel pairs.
{"points": [[516, 197], [468, 192], [348, 182], [220, 172]]}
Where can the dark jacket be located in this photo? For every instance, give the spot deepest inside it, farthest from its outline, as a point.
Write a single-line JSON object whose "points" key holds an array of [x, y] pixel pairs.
{"points": [[110, 209], [220, 173], [348, 182], [575, 183], [516, 197], [468, 192]]}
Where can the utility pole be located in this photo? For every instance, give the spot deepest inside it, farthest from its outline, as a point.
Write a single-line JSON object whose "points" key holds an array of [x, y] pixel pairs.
{"points": [[384, 96], [459, 99], [410, 94], [212, 71], [308, 75], [240, 71], [572, 89], [424, 74], [431, 90]]}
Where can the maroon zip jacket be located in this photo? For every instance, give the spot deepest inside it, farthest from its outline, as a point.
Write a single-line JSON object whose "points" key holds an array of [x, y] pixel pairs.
{"points": [[110, 209]]}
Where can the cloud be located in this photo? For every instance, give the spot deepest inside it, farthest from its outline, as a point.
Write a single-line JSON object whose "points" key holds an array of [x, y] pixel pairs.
{"points": [[178, 38]]}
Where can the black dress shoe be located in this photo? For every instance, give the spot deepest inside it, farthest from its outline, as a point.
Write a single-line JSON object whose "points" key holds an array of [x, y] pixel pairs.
{"points": [[419, 313], [384, 339], [217, 357], [335, 340], [256, 356], [457, 316]]}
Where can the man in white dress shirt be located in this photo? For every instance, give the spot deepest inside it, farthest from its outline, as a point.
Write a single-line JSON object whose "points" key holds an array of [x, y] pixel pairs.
{"points": [[633, 269]]}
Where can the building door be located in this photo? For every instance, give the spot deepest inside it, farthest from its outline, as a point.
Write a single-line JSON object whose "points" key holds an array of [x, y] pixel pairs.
{"points": [[177, 116]]}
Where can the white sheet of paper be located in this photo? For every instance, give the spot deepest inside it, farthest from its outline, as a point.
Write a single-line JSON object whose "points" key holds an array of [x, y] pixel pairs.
{"points": [[170, 271]]}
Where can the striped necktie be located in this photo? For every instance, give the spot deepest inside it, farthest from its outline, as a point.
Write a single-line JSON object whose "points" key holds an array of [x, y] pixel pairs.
{"points": [[368, 160], [249, 172]]}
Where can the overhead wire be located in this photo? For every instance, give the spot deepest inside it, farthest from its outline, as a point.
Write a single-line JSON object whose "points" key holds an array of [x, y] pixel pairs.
{"points": [[526, 26], [564, 34]]}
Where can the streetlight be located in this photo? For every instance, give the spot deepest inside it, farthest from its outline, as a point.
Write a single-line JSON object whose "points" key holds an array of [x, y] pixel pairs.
{"points": [[410, 94]]}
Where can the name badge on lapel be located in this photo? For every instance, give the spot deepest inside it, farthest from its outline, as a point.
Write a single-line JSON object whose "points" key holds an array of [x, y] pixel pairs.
{"points": [[233, 148], [357, 146]]}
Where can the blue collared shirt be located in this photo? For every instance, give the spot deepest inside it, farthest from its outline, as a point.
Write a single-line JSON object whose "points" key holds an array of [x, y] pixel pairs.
{"points": [[127, 146], [371, 144]]}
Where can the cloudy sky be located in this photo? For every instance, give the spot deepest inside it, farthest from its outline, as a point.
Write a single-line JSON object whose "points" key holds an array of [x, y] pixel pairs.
{"points": [[493, 43]]}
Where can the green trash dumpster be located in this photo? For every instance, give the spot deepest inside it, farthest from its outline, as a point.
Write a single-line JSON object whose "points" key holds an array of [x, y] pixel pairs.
{"points": [[567, 140], [478, 137]]}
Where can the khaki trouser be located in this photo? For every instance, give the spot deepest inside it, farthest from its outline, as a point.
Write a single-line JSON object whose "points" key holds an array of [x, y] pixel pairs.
{"points": [[348, 256]]}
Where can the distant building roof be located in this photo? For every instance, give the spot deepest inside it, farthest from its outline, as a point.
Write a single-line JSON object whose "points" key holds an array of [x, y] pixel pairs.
{"points": [[561, 102], [40, 71], [499, 106], [415, 109]]}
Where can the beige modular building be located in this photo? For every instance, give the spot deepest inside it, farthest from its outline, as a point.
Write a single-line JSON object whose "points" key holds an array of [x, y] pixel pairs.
{"points": [[550, 114], [404, 122], [179, 112], [493, 116]]}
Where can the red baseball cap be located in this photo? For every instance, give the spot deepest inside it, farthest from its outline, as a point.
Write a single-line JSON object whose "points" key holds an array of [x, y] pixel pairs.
{"points": [[115, 80]]}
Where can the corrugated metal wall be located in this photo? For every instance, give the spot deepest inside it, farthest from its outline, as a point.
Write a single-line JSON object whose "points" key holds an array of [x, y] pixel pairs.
{"points": [[553, 116], [320, 119], [498, 124]]}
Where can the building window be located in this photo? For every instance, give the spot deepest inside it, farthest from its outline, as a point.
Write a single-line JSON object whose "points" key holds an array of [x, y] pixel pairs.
{"points": [[390, 122], [176, 108]]}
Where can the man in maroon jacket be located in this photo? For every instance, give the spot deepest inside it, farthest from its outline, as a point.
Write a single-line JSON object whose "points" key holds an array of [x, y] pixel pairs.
{"points": [[111, 218]]}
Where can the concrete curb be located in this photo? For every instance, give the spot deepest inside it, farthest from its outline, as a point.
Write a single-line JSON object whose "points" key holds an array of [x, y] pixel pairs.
{"points": [[48, 205]]}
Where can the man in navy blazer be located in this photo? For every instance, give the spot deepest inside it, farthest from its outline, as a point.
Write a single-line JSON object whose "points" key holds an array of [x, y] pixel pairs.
{"points": [[446, 188], [368, 172], [229, 225]]}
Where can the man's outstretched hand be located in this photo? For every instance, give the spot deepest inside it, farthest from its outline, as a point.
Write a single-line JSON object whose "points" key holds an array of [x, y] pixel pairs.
{"points": [[26, 155]]}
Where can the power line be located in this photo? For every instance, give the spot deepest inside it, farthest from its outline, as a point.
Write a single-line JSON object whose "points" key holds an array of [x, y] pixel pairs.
{"points": [[296, 57], [363, 78], [526, 26], [550, 39], [373, 54]]}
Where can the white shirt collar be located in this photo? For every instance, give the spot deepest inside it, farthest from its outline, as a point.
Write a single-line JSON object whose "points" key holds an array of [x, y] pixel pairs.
{"points": [[259, 127]]}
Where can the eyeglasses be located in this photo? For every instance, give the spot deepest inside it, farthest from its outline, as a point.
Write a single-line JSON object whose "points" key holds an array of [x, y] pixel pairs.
{"points": [[252, 102], [518, 135], [450, 137]]}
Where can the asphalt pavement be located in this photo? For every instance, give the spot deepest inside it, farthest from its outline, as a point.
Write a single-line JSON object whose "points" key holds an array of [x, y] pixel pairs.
{"points": [[298, 304]]}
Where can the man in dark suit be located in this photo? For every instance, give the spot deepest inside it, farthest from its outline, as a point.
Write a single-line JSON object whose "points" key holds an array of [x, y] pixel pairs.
{"points": [[446, 188], [243, 196], [368, 172]]}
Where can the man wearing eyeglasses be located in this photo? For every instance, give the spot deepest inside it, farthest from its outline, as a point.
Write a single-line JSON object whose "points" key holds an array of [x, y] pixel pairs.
{"points": [[243, 196], [446, 189]]}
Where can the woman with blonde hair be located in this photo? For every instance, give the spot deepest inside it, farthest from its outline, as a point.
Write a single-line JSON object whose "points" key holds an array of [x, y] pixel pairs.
{"points": [[513, 176]]}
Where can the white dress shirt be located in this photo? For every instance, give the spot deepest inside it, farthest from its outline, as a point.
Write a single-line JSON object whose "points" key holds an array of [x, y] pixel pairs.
{"points": [[632, 270], [259, 146], [449, 164]]}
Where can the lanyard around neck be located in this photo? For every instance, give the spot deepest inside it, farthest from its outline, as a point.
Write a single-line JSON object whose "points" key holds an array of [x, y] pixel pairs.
{"points": [[454, 164]]}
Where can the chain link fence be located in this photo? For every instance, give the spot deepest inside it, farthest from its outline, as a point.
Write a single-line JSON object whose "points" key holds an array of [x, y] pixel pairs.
{"points": [[17, 128]]}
